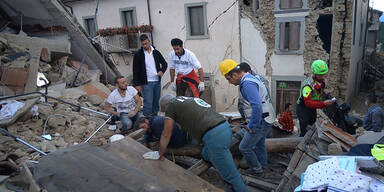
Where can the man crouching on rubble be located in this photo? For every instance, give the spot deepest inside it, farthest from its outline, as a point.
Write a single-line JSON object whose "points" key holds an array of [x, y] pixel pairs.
{"points": [[127, 103], [202, 123], [154, 126]]}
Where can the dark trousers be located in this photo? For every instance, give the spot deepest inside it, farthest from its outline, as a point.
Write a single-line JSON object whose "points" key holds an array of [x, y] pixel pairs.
{"points": [[182, 89], [306, 117]]}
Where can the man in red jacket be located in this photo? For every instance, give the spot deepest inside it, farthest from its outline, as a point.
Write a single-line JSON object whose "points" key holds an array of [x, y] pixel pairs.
{"points": [[311, 96], [286, 119]]}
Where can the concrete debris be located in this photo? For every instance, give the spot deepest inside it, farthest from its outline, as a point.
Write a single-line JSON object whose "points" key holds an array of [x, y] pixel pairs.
{"points": [[96, 88], [70, 73], [72, 93], [95, 100]]}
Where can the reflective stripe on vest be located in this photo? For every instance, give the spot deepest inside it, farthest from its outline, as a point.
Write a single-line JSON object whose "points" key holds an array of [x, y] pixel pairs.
{"points": [[265, 98], [310, 83]]}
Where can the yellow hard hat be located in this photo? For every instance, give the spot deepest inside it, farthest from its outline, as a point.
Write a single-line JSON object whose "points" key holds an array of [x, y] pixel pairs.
{"points": [[227, 65]]}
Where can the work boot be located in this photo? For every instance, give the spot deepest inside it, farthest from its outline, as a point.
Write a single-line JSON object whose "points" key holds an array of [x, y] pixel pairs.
{"points": [[257, 172]]}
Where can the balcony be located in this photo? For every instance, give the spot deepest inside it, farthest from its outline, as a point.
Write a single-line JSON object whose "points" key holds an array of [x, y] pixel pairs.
{"points": [[123, 40]]}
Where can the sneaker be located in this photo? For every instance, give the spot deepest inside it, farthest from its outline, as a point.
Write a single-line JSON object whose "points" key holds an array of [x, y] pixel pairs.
{"points": [[254, 171]]}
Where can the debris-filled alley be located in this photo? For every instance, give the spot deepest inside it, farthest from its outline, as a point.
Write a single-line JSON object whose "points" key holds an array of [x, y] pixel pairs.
{"points": [[254, 95]]}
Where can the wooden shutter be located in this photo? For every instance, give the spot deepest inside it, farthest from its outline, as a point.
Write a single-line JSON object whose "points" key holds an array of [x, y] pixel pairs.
{"points": [[296, 4], [294, 36], [196, 20], [282, 37], [285, 4]]}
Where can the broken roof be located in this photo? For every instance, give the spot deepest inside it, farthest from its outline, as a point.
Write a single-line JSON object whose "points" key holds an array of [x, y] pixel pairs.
{"points": [[52, 13]]}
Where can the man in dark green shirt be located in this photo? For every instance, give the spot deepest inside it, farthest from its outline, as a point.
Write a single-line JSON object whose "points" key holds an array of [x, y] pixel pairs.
{"points": [[201, 122]]}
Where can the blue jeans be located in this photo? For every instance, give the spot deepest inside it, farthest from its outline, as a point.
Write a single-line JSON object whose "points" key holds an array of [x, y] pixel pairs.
{"points": [[127, 122], [216, 150], [255, 140], [151, 94]]}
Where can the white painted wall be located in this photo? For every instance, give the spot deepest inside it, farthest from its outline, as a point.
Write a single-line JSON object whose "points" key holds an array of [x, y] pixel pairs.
{"points": [[253, 46], [287, 65], [108, 14], [355, 69], [168, 19]]}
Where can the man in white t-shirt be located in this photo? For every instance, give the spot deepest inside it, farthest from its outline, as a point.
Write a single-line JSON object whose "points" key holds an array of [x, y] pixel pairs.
{"points": [[183, 63], [126, 101]]}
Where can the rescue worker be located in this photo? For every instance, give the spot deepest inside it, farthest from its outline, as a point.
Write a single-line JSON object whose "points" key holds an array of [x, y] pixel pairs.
{"points": [[199, 120], [244, 106], [311, 96], [250, 88]]}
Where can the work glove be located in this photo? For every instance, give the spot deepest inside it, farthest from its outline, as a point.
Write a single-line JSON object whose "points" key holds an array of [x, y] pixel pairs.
{"points": [[173, 86], [201, 86], [153, 155]]}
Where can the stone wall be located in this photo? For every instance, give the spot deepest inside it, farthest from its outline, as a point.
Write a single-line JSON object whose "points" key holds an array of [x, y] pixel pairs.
{"points": [[339, 56], [264, 21]]}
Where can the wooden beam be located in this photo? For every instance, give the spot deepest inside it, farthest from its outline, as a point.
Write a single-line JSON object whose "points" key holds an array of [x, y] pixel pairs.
{"points": [[137, 134], [259, 183], [200, 167], [188, 150], [282, 145]]}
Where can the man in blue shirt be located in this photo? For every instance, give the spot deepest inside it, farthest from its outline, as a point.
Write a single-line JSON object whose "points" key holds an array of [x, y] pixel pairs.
{"points": [[374, 119], [256, 129], [154, 126]]}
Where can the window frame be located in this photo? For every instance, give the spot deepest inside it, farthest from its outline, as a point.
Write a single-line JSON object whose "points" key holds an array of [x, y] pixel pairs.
{"points": [[279, 20], [187, 20], [276, 78], [278, 10], [85, 18], [122, 17]]}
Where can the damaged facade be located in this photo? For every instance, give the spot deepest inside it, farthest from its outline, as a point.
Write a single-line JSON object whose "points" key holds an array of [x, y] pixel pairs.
{"points": [[290, 35]]}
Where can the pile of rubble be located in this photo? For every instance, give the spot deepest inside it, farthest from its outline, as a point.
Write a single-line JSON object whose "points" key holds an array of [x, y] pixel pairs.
{"points": [[68, 116]]}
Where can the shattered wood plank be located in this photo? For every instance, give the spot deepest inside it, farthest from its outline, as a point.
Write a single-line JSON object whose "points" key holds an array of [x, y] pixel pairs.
{"points": [[200, 167], [188, 150], [131, 152], [340, 134], [137, 134], [337, 140], [259, 183]]}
